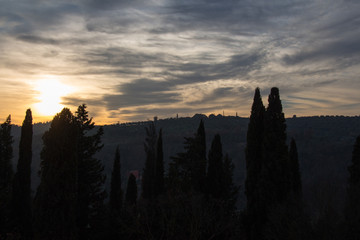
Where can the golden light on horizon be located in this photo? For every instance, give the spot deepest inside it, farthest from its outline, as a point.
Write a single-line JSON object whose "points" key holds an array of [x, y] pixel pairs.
{"points": [[50, 91]]}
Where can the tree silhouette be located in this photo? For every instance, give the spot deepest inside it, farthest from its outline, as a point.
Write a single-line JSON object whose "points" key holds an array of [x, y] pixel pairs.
{"points": [[116, 198], [56, 197], [272, 176], [115, 187], [6, 174], [21, 199], [6, 154], [254, 164], [90, 176], [198, 159], [276, 180], [187, 171], [253, 150], [148, 179], [215, 175]]}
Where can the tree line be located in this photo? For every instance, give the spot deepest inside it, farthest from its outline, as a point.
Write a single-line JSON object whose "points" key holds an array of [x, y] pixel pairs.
{"points": [[194, 199]]}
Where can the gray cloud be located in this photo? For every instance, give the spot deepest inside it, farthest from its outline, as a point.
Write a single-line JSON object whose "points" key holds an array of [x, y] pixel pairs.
{"points": [[121, 57], [37, 39], [141, 92], [236, 17], [334, 51], [215, 96], [236, 66]]}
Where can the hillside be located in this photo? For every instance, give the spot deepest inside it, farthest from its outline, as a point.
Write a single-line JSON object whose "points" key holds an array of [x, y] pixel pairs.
{"points": [[324, 145]]}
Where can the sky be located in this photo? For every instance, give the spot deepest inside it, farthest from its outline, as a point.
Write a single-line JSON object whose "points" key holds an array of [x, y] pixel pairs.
{"points": [[131, 60]]}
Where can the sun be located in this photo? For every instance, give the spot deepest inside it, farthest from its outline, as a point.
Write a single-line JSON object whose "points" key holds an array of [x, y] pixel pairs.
{"points": [[50, 91]]}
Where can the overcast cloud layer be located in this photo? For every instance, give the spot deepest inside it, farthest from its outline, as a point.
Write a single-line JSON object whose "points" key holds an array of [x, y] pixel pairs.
{"points": [[132, 60]]}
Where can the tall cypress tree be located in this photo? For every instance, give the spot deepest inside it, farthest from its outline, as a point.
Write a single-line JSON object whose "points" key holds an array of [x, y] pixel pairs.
{"points": [[131, 191], [148, 179], [269, 174], [56, 197], [215, 174], [352, 208], [115, 187], [254, 164], [21, 199], [6, 174], [276, 174], [198, 159]]}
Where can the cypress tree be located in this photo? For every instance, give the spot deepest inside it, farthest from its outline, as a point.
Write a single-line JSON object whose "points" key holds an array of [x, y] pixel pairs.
{"points": [[115, 201], [276, 174], [56, 197], [148, 179], [21, 199], [6, 174], [254, 164], [115, 188], [253, 150], [131, 191], [198, 159], [90, 176], [352, 208], [269, 174], [215, 174]]}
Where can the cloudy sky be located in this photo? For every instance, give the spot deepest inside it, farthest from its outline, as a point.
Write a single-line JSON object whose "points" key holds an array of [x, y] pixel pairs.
{"points": [[131, 60]]}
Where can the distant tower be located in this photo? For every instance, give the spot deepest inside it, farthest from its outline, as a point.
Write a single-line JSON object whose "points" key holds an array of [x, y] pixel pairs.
{"points": [[155, 119], [236, 114]]}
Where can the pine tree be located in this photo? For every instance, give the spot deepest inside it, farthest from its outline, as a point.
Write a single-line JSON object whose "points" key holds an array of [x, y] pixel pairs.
{"points": [[187, 171], [90, 176], [56, 197], [115, 187], [6, 174], [131, 191], [21, 199], [215, 174], [6, 154], [352, 208]]}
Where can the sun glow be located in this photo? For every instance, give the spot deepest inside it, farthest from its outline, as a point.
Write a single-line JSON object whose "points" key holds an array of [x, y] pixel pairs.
{"points": [[50, 92]]}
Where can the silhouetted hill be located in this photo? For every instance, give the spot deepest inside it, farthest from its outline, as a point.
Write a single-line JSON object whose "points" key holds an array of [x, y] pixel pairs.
{"points": [[324, 145]]}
